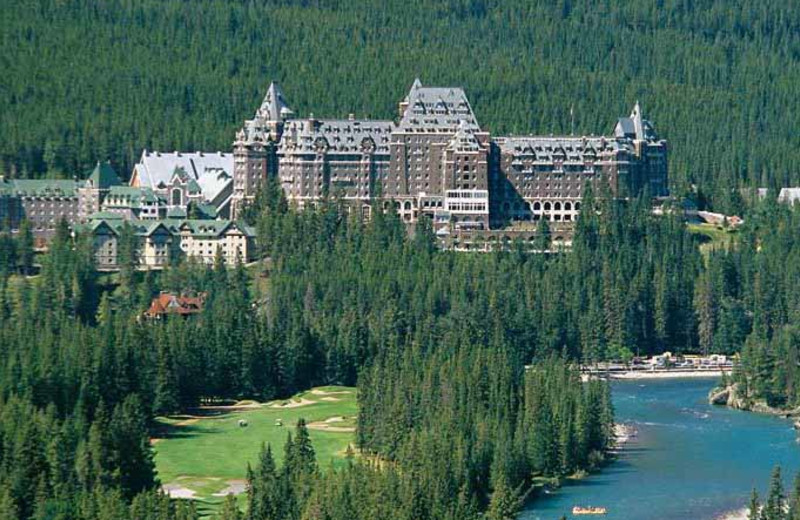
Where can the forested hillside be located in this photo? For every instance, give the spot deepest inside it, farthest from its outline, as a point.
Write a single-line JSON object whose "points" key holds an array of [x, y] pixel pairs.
{"points": [[758, 285], [85, 80], [437, 342]]}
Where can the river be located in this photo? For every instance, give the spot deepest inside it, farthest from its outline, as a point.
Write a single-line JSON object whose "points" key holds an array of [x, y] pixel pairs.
{"points": [[689, 461]]}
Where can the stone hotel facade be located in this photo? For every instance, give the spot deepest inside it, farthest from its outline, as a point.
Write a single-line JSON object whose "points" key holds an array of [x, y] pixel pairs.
{"points": [[438, 161]]}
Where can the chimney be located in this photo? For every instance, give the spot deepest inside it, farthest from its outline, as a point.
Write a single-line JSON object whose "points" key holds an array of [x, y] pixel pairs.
{"points": [[351, 117]]}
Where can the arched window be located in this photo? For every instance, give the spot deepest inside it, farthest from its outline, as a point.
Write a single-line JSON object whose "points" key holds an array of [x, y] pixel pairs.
{"points": [[557, 206], [547, 206], [177, 197], [577, 206], [567, 206], [407, 205], [537, 206]]}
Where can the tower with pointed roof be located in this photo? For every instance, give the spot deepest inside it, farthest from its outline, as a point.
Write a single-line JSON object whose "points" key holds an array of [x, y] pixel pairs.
{"points": [[649, 169], [254, 150], [95, 189]]}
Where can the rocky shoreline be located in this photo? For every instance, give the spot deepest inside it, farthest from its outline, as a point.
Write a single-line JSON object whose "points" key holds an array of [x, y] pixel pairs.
{"points": [[731, 396]]}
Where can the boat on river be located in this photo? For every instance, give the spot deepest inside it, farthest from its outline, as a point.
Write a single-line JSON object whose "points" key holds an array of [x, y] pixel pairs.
{"points": [[588, 510]]}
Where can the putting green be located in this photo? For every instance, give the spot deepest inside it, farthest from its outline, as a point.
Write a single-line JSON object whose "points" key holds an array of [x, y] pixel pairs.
{"points": [[205, 456]]}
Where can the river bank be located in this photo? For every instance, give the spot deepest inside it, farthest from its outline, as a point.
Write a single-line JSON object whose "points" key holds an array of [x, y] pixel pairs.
{"points": [[635, 375], [666, 374], [685, 460], [732, 397]]}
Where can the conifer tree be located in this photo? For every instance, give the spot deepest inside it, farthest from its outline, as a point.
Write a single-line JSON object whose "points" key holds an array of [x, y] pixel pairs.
{"points": [[774, 505], [754, 507], [230, 510], [264, 489], [25, 246]]}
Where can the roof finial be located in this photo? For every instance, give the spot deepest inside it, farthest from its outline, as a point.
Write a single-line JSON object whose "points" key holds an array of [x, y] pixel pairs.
{"points": [[636, 116]]}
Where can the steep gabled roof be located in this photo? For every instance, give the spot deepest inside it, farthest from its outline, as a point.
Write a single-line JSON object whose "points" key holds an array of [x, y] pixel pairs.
{"points": [[336, 136], [274, 106], [464, 139], [103, 177], [635, 126], [212, 173], [436, 109]]}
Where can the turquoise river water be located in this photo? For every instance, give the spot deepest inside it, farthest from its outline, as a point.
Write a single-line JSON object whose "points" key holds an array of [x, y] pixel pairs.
{"points": [[689, 460]]}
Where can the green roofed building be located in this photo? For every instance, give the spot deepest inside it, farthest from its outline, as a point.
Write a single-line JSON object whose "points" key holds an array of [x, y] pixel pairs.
{"points": [[44, 203], [162, 242]]}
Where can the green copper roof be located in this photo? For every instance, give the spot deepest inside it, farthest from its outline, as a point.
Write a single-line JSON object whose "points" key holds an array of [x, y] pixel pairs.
{"points": [[43, 188], [196, 227], [176, 213], [105, 215], [103, 177], [193, 187], [130, 196]]}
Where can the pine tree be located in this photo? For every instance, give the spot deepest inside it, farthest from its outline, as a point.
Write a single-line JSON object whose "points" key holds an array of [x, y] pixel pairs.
{"points": [[264, 498], [8, 508], [505, 503], [25, 245], [754, 508], [706, 311], [230, 510], [774, 505], [793, 512], [543, 235], [130, 445], [166, 384], [303, 459]]}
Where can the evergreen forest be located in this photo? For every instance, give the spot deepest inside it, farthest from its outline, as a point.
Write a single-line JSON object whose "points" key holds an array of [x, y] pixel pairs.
{"points": [[465, 363]]}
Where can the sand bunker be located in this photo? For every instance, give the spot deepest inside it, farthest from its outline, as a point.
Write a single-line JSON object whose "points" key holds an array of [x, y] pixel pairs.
{"points": [[235, 487], [317, 391], [326, 425], [178, 491], [328, 428], [292, 404]]}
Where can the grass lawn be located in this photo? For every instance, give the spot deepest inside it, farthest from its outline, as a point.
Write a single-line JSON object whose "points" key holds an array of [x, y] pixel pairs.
{"points": [[714, 236], [205, 456]]}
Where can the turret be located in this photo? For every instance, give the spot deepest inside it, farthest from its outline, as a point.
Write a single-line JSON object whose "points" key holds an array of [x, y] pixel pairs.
{"points": [[254, 148]]}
